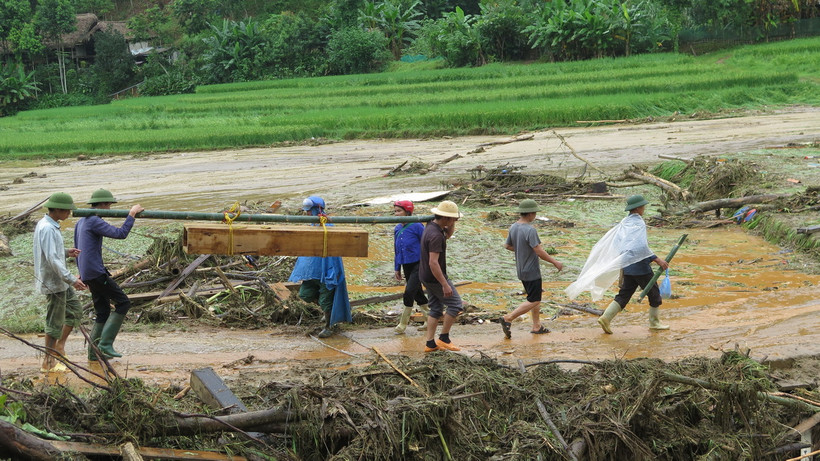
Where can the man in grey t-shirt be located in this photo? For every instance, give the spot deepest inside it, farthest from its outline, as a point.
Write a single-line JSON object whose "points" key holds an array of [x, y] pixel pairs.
{"points": [[523, 240]]}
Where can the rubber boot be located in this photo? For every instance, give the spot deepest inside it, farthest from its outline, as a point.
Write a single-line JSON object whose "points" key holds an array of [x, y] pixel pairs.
{"points": [[96, 332], [610, 313], [326, 331], [654, 323], [426, 311], [404, 320], [109, 333]]}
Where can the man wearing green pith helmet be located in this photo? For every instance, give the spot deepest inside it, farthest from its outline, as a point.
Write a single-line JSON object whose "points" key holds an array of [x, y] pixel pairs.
{"points": [[624, 249], [53, 279], [88, 236], [523, 240]]}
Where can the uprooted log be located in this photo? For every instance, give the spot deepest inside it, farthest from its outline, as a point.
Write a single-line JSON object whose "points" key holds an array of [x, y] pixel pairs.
{"points": [[16, 443], [270, 420], [710, 205], [670, 187]]}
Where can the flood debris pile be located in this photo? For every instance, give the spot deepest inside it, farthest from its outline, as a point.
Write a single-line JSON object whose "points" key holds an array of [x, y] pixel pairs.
{"points": [[449, 406], [224, 290], [501, 184], [480, 409]]}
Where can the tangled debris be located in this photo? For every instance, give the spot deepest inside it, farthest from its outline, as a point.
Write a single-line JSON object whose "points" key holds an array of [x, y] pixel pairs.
{"points": [[464, 408]]}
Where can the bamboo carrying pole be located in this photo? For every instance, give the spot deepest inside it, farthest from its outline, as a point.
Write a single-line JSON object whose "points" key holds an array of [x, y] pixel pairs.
{"points": [[660, 270], [200, 216]]}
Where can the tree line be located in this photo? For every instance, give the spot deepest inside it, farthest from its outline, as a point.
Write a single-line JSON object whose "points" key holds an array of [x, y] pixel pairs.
{"points": [[218, 41]]}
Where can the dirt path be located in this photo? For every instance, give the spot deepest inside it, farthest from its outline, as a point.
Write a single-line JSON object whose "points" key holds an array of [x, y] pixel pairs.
{"points": [[744, 299], [353, 171]]}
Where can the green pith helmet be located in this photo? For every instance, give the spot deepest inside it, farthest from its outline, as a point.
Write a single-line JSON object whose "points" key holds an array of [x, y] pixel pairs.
{"points": [[60, 201], [528, 206], [101, 196], [635, 201]]}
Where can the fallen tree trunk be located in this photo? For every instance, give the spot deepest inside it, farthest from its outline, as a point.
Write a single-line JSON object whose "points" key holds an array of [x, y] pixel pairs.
{"points": [[271, 420], [19, 444], [703, 207], [668, 186]]}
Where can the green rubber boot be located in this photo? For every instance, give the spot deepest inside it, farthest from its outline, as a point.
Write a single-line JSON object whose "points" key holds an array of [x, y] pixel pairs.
{"points": [[610, 313], [95, 334], [404, 320], [654, 323], [426, 311], [326, 331], [109, 333]]}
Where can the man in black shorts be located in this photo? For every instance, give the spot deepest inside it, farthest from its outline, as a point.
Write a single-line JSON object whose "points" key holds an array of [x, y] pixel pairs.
{"points": [[523, 240]]}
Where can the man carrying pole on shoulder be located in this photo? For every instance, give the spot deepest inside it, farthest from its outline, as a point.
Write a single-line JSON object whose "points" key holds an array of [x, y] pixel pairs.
{"points": [[88, 236]]}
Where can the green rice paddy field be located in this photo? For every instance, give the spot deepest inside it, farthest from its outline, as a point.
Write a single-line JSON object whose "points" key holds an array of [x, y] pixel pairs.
{"points": [[411, 102]]}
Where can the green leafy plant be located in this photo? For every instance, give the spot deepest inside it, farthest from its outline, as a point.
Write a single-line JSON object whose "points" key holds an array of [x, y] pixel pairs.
{"points": [[16, 87]]}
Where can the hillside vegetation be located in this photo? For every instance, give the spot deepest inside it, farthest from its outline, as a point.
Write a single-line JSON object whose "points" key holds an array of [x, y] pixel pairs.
{"points": [[499, 98]]}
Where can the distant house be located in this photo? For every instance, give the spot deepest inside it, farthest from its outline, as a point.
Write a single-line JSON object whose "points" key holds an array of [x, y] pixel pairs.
{"points": [[80, 43]]}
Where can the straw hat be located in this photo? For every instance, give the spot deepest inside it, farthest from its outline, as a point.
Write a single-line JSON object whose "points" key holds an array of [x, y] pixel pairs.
{"points": [[447, 209]]}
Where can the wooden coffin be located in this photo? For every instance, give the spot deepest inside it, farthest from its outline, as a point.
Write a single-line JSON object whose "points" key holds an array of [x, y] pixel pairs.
{"points": [[277, 240]]}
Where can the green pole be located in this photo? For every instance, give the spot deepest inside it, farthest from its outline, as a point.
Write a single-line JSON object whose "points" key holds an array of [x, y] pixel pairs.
{"points": [[276, 218], [660, 270]]}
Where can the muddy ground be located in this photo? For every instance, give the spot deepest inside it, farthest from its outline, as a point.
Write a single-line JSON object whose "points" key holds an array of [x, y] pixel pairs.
{"points": [[735, 289]]}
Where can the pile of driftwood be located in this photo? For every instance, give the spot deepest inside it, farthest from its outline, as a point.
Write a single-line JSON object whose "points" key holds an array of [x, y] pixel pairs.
{"points": [[444, 406]]}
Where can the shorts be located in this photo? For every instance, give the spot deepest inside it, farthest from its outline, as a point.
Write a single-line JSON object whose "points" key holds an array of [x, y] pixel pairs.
{"points": [[533, 289], [439, 305], [62, 309]]}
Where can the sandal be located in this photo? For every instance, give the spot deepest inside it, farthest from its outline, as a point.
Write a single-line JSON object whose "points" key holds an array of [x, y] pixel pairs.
{"points": [[540, 331], [506, 327]]}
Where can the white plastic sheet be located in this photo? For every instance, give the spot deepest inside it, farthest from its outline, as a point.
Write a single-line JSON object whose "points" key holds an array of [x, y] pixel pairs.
{"points": [[624, 244]]}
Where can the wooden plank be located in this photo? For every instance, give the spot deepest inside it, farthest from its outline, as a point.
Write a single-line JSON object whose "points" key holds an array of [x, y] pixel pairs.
{"points": [[281, 290], [274, 240], [94, 449], [210, 388]]}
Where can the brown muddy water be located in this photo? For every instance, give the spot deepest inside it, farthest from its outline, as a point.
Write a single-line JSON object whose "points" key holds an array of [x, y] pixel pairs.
{"points": [[730, 290]]}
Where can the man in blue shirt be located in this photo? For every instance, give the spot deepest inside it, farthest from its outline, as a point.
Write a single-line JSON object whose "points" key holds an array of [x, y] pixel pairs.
{"points": [[88, 236], [53, 279]]}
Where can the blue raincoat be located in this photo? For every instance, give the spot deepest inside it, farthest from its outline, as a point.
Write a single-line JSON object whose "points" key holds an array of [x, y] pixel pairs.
{"points": [[329, 271]]}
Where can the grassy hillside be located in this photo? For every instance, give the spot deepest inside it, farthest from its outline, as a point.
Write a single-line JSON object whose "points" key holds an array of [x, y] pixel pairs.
{"points": [[410, 103]]}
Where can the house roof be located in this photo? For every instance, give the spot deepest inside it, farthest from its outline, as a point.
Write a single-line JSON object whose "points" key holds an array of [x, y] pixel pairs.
{"points": [[119, 26], [85, 27]]}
